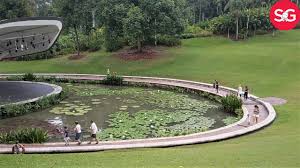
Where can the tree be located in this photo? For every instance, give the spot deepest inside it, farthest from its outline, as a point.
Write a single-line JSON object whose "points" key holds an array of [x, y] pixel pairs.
{"points": [[164, 17], [10, 9], [75, 14], [160, 17], [235, 7], [43, 7], [134, 26], [113, 13]]}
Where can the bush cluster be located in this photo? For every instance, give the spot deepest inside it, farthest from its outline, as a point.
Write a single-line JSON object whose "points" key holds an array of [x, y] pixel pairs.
{"points": [[195, 31], [29, 77], [231, 104], [169, 41], [28, 135], [13, 110], [114, 80], [258, 22]]}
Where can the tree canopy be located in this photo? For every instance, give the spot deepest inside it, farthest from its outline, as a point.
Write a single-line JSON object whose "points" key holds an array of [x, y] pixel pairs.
{"points": [[146, 22]]}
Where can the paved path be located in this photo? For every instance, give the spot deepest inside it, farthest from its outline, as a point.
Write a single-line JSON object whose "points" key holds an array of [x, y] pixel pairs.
{"points": [[267, 115]]}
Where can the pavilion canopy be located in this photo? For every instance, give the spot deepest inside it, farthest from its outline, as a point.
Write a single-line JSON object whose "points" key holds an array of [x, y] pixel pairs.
{"points": [[25, 36]]}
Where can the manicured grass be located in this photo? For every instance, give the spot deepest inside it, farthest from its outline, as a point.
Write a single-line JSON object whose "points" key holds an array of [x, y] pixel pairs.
{"points": [[270, 66]]}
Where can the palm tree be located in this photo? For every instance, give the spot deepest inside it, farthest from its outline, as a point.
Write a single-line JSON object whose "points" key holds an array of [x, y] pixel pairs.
{"points": [[249, 4], [235, 7]]}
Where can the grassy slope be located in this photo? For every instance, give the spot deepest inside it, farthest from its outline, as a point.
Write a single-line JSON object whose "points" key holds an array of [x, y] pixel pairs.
{"points": [[269, 65]]}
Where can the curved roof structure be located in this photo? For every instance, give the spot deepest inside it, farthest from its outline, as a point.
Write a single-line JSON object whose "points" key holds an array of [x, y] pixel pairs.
{"points": [[25, 36]]}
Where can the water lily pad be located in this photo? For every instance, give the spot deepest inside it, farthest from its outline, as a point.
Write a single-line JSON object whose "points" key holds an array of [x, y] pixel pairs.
{"points": [[95, 103], [72, 109]]}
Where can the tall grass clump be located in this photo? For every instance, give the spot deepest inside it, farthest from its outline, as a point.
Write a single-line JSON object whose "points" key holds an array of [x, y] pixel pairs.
{"points": [[114, 80], [28, 135], [231, 104]]}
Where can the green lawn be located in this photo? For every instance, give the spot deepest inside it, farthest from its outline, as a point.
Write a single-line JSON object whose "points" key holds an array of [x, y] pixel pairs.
{"points": [[269, 65]]}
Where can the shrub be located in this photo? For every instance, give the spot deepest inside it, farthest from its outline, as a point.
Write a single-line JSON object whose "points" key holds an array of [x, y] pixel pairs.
{"points": [[231, 103], [66, 44], [38, 56], [13, 110], [25, 77], [195, 32], [15, 78], [113, 80], [113, 43], [95, 40], [239, 112], [28, 135], [29, 77], [169, 41]]}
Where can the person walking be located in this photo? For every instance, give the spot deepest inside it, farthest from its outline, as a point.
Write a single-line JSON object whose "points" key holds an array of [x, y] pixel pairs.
{"points": [[217, 86], [256, 113], [94, 130], [240, 91], [246, 93], [77, 130], [66, 136]]}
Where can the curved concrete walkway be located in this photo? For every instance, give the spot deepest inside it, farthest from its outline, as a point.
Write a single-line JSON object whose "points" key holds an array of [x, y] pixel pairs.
{"points": [[267, 114]]}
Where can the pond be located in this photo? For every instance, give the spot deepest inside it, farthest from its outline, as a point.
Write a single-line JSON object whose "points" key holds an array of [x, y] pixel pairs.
{"points": [[126, 113]]}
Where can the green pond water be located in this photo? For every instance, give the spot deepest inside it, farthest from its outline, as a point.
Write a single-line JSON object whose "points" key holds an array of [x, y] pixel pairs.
{"points": [[128, 112]]}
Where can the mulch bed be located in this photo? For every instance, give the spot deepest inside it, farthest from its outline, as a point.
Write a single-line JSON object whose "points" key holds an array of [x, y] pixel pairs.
{"points": [[147, 53], [76, 57]]}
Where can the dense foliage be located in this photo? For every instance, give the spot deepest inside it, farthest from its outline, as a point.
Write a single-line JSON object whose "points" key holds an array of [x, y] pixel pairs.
{"points": [[89, 24], [141, 22], [231, 104], [29, 77], [113, 80], [13, 110], [251, 22], [28, 135]]}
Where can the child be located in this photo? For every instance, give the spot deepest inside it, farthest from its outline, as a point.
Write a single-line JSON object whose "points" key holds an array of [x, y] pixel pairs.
{"points": [[66, 136], [18, 148], [248, 119], [256, 113]]}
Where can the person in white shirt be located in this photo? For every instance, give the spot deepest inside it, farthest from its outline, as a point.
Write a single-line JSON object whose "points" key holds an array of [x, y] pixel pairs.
{"points": [[240, 91], [94, 130], [77, 130]]}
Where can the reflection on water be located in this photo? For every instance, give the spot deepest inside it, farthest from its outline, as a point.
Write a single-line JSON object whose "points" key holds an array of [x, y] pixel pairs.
{"points": [[12, 92]]}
